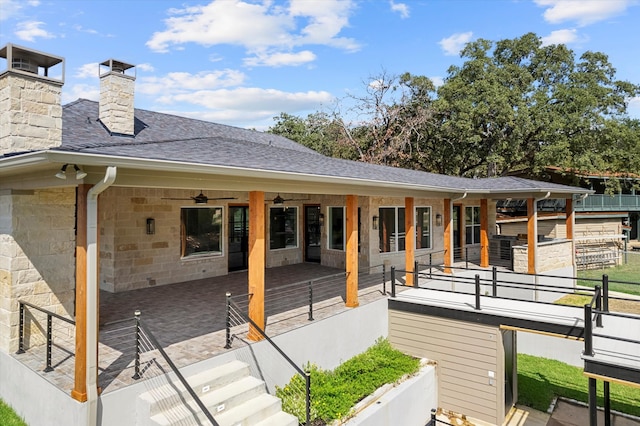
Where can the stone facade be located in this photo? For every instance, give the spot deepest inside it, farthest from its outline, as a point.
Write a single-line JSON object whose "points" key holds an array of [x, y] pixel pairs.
{"points": [[552, 255], [37, 265], [116, 102], [30, 113]]}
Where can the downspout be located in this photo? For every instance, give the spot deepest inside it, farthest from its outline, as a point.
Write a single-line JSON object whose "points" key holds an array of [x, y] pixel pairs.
{"points": [[535, 231], [92, 294]]}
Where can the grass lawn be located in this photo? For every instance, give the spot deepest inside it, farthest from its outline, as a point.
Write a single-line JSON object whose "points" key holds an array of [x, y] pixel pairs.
{"points": [[8, 417], [626, 306], [540, 379], [629, 272]]}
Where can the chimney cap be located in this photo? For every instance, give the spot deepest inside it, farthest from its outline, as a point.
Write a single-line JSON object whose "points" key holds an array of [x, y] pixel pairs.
{"points": [[116, 66], [22, 58]]}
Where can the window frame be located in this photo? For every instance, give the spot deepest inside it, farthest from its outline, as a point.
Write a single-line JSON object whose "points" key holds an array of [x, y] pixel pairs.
{"points": [[330, 228], [473, 225], [396, 228], [183, 234], [295, 228], [415, 224]]}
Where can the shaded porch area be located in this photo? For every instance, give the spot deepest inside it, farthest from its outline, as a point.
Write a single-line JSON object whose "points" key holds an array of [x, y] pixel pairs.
{"points": [[189, 320]]}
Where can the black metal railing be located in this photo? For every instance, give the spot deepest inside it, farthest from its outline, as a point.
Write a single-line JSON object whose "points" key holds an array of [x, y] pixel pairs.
{"points": [[146, 342], [236, 317], [434, 420], [49, 330]]}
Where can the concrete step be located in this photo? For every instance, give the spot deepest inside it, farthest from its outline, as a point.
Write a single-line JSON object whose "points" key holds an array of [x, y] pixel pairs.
{"points": [[217, 401], [279, 419], [251, 412], [171, 394]]}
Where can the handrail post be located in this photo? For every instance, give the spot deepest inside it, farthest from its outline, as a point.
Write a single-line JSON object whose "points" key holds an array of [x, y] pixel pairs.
{"points": [[415, 273], [466, 257], [598, 297], [310, 300], [384, 279], [21, 330], [494, 281], [605, 293], [136, 374], [393, 281], [228, 321], [588, 331], [432, 422], [478, 291], [430, 263], [607, 403], [49, 342], [307, 380]]}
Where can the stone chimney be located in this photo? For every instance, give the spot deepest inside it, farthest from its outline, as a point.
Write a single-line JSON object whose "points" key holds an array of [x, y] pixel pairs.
{"points": [[116, 97], [30, 100]]}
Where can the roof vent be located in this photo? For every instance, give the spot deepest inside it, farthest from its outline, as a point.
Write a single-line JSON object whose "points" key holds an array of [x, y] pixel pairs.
{"points": [[24, 64]]}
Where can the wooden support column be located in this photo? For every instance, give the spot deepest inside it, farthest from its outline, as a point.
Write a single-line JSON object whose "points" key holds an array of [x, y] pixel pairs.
{"points": [[532, 234], [571, 218], [448, 236], [410, 239], [352, 251], [79, 391], [484, 233], [257, 251]]}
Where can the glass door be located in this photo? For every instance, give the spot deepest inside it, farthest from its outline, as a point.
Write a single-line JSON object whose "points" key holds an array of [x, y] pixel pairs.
{"points": [[312, 234], [238, 238], [457, 251]]}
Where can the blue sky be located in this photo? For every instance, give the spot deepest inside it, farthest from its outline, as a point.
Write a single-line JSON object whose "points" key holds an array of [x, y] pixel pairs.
{"points": [[242, 62]]}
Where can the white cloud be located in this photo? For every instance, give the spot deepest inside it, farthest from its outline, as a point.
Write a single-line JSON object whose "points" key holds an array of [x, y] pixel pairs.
{"points": [[30, 30], [453, 45], [259, 28], [634, 107], [401, 8], [11, 8], [581, 11], [145, 67], [279, 59], [81, 29], [184, 82], [77, 91], [566, 36], [91, 70], [437, 81]]}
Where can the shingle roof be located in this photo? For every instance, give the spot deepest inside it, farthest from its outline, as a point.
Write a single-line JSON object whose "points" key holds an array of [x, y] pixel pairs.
{"points": [[167, 137]]}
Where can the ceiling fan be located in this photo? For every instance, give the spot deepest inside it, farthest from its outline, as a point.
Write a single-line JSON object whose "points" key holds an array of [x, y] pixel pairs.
{"points": [[201, 198], [279, 200]]}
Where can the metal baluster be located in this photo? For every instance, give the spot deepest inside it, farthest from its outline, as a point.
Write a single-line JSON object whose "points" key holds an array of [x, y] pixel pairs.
{"points": [[310, 300], [49, 342], [21, 330], [228, 321], [137, 375]]}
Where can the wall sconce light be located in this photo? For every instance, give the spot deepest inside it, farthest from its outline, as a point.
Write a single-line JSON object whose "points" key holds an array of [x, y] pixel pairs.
{"points": [[62, 174], [375, 222], [438, 219], [321, 219], [151, 226]]}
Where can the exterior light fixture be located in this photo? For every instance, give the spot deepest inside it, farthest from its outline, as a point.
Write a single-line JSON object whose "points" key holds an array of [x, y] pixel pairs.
{"points": [[375, 222], [151, 226], [321, 219], [278, 200], [438, 219], [62, 174]]}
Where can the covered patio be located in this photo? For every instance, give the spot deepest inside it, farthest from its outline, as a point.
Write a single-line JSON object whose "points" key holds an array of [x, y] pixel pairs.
{"points": [[189, 320]]}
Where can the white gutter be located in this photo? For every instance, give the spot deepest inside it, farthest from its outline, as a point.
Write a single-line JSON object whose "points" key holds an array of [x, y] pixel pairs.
{"points": [[92, 294], [535, 242]]}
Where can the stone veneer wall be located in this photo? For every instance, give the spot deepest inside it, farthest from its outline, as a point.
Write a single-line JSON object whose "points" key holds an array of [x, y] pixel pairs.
{"points": [[30, 114], [116, 110], [37, 264], [552, 255]]}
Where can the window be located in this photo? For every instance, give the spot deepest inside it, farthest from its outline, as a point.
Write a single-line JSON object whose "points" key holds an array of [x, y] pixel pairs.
{"points": [[391, 229], [336, 228], [201, 231], [423, 227], [472, 225], [283, 227]]}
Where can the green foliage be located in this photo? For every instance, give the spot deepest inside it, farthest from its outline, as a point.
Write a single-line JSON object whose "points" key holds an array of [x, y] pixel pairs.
{"points": [[628, 272], [540, 379], [8, 417], [513, 105], [334, 393]]}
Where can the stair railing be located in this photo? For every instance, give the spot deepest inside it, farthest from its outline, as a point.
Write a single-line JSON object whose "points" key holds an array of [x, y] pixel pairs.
{"points": [[235, 312], [142, 328]]}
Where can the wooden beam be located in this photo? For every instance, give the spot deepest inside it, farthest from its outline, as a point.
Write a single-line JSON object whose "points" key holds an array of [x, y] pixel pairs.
{"points": [[484, 233], [352, 251], [410, 239], [571, 218], [532, 237], [79, 391], [257, 253], [448, 236]]}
